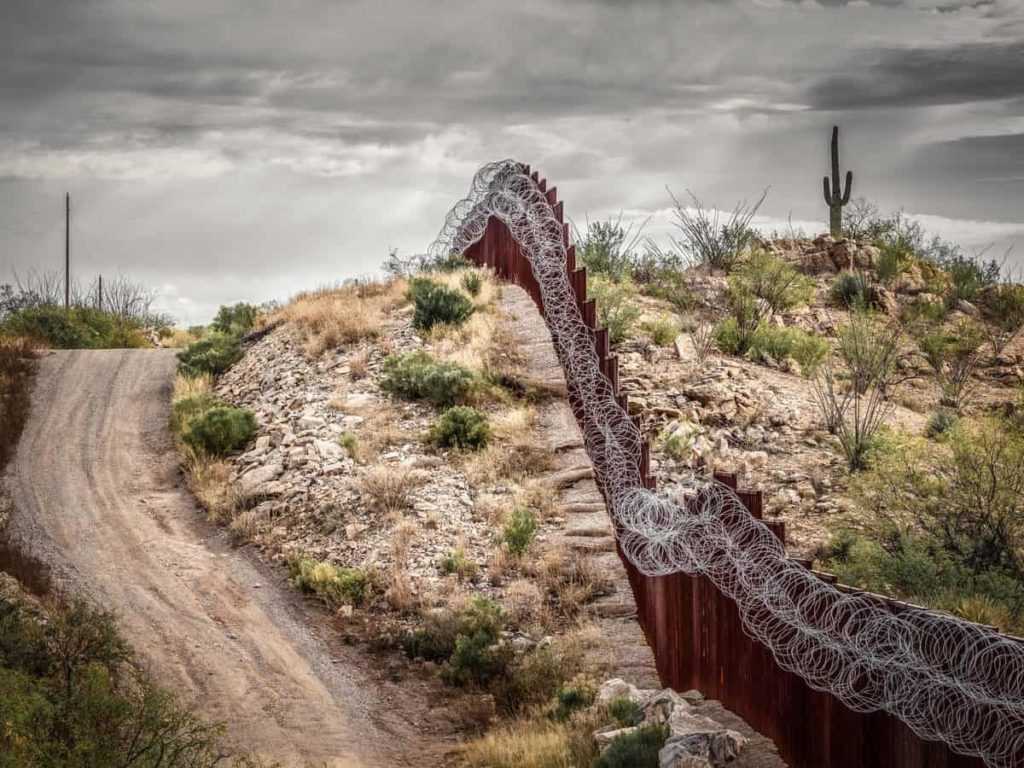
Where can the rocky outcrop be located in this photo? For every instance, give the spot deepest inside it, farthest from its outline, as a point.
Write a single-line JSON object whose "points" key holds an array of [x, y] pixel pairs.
{"points": [[694, 740]]}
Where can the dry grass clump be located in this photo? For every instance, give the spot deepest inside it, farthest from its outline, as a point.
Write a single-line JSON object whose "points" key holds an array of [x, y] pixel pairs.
{"points": [[209, 479], [388, 490], [568, 579], [539, 742], [191, 386], [331, 317], [359, 365], [181, 338], [514, 453], [17, 367], [524, 602]]}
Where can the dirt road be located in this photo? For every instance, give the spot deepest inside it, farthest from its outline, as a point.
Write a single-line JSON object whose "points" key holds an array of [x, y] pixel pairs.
{"points": [[98, 498]]}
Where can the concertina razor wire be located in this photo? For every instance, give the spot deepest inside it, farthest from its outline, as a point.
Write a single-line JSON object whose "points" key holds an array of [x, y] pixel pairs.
{"points": [[947, 679]]}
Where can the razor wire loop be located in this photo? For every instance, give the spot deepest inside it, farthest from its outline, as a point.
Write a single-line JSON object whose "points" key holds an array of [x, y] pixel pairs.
{"points": [[947, 679]]}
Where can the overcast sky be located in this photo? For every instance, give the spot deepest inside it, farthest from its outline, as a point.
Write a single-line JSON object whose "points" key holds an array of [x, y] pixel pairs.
{"points": [[245, 149]]}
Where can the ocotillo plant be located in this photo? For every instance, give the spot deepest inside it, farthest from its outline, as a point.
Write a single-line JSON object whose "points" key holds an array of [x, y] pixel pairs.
{"points": [[833, 199]]}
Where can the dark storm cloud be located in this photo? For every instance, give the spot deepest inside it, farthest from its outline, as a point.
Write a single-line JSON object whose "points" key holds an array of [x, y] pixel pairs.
{"points": [[914, 77]]}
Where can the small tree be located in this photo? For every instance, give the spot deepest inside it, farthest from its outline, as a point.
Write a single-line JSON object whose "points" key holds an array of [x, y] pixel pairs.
{"points": [[773, 280]]}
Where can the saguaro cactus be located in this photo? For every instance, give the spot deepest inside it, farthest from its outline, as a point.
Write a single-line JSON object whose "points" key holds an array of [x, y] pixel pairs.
{"points": [[833, 199]]}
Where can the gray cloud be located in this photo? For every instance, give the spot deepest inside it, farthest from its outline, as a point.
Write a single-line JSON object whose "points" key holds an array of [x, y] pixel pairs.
{"points": [[908, 77]]}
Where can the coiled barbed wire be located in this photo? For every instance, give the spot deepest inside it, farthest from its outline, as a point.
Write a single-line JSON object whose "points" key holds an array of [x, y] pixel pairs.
{"points": [[947, 679]]}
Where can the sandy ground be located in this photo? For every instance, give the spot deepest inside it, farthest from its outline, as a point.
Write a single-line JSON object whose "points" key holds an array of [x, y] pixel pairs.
{"points": [[98, 498]]}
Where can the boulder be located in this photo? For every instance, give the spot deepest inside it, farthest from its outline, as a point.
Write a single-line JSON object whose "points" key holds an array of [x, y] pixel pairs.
{"points": [[256, 483], [617, 688]]}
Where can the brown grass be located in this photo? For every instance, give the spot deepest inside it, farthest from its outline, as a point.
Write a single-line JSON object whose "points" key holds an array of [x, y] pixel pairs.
{"points": [[514, 453], [359, 365], [539, 742], [17, 368], [388, 490], [331, 317], [568, 579]]}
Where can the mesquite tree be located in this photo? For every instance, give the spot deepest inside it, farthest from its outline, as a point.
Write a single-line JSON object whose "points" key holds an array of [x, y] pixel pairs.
{"points": [[834, 199]]}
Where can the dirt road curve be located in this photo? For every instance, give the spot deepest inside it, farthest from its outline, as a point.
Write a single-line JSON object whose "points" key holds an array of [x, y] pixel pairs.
{"points": [[98, 497]]}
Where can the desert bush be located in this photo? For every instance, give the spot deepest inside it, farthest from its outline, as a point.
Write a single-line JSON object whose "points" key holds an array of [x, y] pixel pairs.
{"points": [[520, 528], [77, 328], [569, 580], [578, 693], [334, 316], [637, 749], [953, 356], [941, 423], [461, 427], [774, 281], [968, 276], [350, 442], [707, 239], [437, 304], [853, 290], [456, 562], [1002, 310], [965, 495], [212, 355], [336, 586], [418, 376], [770, 343], [616, 306], [893, 260], [536, 677], [71, 694], [608, 248], [472, 282], [217, 430], [17, 368], [855, 417], [625, 711], [746, 313], [662, 330], [538, 743], [866, 347], [862, 220], [237, 319]]}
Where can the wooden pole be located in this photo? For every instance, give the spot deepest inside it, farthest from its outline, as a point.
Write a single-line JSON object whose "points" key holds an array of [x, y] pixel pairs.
{"points": [[101, 293], [67, 252]]}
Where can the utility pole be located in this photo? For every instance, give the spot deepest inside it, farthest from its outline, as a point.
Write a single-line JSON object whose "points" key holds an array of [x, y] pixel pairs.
{"points": [[101, 293], [67, 252]]}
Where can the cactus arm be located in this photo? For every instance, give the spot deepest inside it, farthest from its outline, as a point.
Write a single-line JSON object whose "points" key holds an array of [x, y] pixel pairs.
{"points": [[849, 187], [828, 192]]}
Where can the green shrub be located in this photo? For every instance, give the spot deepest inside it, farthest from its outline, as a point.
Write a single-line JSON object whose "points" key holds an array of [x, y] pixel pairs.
{"points": [[185, 410], [772, 343], [534, 678], [71, 694], [773, 280], [520, 528], [728, 337], [625, 711], [456, 562], [77, 328], [853, 290], [608, 248], [663, 330], [235, 320], [617, 309], [461, 427], [219, 430], [436, 304], [637, 749], [968, 276], [472, 283], [213, 354], [573, 696], [436, 639], [350, 442], [334, 585], [941, 422], [418, 376], [476, 657], [893, 260]]}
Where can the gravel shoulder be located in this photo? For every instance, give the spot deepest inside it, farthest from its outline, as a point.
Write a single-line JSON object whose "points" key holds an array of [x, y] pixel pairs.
{"points": [[98, 499]]}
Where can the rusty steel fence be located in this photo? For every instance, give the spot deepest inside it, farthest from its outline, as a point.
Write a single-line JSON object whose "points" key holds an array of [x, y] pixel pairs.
{"points": [[695, 631]]}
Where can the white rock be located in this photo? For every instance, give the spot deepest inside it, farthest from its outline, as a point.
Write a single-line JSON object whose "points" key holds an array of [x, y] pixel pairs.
{"points": [[617, 688], [252, 484]]}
